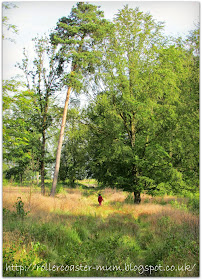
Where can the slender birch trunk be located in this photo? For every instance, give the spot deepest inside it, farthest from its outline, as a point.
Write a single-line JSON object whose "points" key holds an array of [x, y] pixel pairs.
{"points": [[58, 155], [43, 164], [43, 150]]}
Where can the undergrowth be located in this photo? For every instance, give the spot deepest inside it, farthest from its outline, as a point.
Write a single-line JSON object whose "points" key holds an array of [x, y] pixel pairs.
{"points": [[95, 245]]}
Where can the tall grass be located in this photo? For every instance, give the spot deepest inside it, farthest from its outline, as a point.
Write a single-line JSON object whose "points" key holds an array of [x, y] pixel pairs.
{"points": [[72, 230]]}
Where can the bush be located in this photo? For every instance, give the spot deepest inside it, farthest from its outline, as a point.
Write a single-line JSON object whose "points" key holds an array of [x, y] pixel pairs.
{"points": [[129, 199], [19, 205], [61, 190], [178, 205], [20, 211], [194, 202]]}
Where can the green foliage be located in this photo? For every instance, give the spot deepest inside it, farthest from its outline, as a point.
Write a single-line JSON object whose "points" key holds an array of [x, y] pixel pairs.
{"points": [[44, 80], [7, 26], [139, 133], [74, 153], [194, 202], [20, 212], [173, 243], [60, 190], [30, 115], [129, 199], [178, 205], [188, 202], [116, 240], [29, 259], [135, 122], [20, 137], [79, 37]]}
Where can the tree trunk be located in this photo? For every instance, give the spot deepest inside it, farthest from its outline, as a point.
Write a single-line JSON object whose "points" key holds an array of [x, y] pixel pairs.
{"points": [[58, 155], [43, 150], [37, 177], [137, 198], [21, 179], [43, 165], [133, 131]]}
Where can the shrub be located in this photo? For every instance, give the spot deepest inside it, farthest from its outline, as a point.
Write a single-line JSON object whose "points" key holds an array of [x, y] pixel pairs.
{"points": [[178, 205], [19, 205], [20, 211], [194, 202], [129, 199]]}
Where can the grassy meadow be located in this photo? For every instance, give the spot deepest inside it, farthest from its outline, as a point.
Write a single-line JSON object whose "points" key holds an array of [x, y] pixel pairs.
{"points": [[71, 235]]}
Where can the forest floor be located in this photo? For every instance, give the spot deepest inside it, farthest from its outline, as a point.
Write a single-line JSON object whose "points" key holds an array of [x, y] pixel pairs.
{"points": [[71, 235]]}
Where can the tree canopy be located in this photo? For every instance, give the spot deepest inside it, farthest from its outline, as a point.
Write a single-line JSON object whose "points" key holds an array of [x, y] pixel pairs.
{"points": [[136, 119], [140, 130]]}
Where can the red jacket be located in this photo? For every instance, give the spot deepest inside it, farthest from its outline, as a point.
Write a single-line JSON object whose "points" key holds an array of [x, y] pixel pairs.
{"points": [[100, 199]]}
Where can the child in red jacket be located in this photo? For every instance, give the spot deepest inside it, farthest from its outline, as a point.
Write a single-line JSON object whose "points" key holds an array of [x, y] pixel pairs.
{"points": [[100, 199]]}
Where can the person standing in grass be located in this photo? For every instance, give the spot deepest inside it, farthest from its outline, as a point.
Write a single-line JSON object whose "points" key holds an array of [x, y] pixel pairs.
{"points": [[100, 199]]}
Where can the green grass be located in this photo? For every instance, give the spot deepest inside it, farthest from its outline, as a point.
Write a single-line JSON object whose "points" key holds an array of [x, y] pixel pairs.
{"points": [[113, 240]]}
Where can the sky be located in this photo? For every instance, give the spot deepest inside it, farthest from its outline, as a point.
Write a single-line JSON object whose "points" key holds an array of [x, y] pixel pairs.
{"points": [[34, 18]]}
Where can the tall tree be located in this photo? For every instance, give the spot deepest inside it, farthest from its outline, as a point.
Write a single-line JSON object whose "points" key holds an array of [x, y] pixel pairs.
{"points": [[141, 75], [42, 79], [186, 149], [20, 136], [78, 37]]}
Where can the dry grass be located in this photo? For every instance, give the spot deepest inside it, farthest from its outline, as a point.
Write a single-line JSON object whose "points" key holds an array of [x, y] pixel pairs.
{"points": [[76, 205], [166, 198], [38, 203], [73, 202], [114, 195], [143, 209], [178, 217]]}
